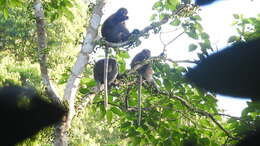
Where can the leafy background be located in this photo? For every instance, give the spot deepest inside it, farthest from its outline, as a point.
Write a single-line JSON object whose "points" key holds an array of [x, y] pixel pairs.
{"points": [[166, 120]]}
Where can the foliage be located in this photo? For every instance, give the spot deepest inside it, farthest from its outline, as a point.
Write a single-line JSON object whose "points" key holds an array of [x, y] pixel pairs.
{"points": [[248, 29], [187, 19], [169, 117]]}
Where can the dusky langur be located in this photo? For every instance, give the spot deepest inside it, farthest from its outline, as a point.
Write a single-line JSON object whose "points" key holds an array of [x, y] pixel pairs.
{"points": [[145, 72], [233, 71], [114, 30], [99, 71], [24, 113]]}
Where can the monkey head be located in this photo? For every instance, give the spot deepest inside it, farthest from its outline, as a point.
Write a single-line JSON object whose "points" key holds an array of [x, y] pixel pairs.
{"points": [[121, 14], [145, 54], [146, 71]]}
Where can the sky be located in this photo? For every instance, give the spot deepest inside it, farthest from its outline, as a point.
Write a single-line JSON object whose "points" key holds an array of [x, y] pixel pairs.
{"points": [[216, 21]]}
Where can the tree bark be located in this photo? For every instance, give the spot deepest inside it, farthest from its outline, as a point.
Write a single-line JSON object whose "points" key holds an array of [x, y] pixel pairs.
{"points": [[38, 9], [74, 79]]}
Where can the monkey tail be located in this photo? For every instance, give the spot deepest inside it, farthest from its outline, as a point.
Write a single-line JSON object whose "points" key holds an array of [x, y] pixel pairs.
{"points": [[105, 78], [140, 100]]}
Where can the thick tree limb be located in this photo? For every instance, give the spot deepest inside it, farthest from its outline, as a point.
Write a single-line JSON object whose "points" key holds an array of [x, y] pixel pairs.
{"points": [[83, 58], [38, 10], [74, 80]]}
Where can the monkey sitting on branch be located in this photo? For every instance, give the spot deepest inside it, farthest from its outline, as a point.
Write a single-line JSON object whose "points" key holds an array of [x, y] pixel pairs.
{"points": [[112, 72], [145, 72], [114, 30]]}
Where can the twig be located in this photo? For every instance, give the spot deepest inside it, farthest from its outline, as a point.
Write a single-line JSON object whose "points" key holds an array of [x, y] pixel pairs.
{"points": [[181, 61], [204, 113]]}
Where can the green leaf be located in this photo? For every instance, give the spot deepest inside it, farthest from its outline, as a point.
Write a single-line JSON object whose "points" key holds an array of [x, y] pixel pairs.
{"points": [[167, 84], [192, 35], [109, 116], [126, 125], [205, 45], [153, 17], [192, 47], [157, 5], [175, 22], [117, 111], [232, 39], [164, 132], [141, 130], [171, 4], [137, 141], [14, 3], [68, 4], [204, 36], [123, 54], [196, 17], [68, 14], [5, 12], [236, 16]]}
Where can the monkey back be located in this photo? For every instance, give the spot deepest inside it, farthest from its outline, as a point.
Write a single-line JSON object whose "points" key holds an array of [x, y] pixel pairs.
{"points": [[112, 70]]}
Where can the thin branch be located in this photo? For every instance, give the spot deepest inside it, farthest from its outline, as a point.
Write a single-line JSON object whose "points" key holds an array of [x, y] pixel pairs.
{"points": [[86, 101], [181, 61], [201, 112], [226, 115], [156, 58], [160, 37], [175, 38]]}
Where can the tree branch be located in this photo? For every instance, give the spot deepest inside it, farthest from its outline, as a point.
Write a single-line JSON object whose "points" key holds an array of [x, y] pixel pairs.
{"points": [[83, 58], [136, 36], [38, 10], [74, 80], [201, 112]]}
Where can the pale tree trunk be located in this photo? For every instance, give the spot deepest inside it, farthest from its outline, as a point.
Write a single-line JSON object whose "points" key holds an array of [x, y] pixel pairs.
{"points": [[74, 79], [38, 9]]}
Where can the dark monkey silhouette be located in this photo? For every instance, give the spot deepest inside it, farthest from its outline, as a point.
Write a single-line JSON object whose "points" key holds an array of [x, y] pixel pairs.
{"points": [[99, 71], [204, 2], [24, 113], [234, 71], [114, 29]]}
